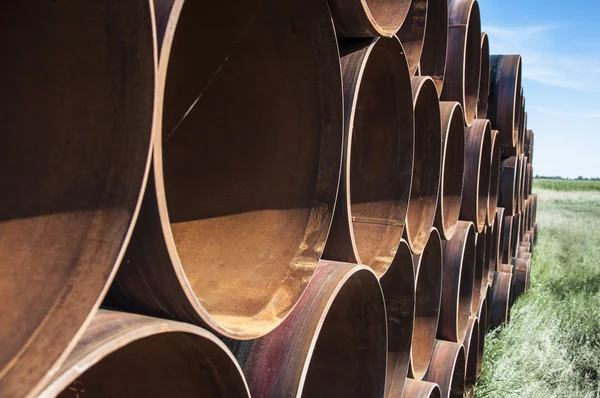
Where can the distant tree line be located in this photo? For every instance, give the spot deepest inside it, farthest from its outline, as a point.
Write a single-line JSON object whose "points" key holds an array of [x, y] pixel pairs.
{"points": [[580, 178]]}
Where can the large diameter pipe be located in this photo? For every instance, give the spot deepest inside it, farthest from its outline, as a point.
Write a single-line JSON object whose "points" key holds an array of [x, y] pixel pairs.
{"points": [[434, 53], [507, 197], [78, 115], [489, 263], [464, 56], [495, 167], [453, 163], [457, 283], [398, 285], [368, 18], [476, 187], [332, 344], [520, 283], [500, 304], [507, 240], [125, 355], [420, 389], [515, 237], [529, 139], [497, 239], [412, 33], [484, 79], [480, 279], [505, 87], [245, 175], [471, 345], [428, 291], [378, 155], [448, 368], [427, 164]]}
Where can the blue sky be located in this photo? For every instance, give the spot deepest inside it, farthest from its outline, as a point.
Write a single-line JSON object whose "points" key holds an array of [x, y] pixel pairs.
{"points": [[560, 45]]}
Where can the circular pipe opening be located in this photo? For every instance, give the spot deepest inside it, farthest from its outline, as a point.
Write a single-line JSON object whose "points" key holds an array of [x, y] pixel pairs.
{"points": [[77, 123], [489, 263], [368, 18], [505, 76], [507, 240], [126, 355], [508, 187], [412, 33], [377, 171], [499, 308], [447, 369], [421, 389], [334, 340], [247, 168], [398, 285], [464, 56], [480, 278], [433, 56], [474, 206], [471, 349], [498, 233], [515, 236], [428, 271], [453, 163], [427, 163], [494, 178], [458, 279], [484, 80]]}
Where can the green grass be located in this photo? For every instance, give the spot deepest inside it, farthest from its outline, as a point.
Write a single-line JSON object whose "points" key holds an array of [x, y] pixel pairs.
{"points": [[551, 348], [567, 185]]}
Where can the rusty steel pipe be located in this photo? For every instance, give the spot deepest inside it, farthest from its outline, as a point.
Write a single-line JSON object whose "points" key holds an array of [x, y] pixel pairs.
{"points": [[378, 155], [529, 185], [515, 237], [309, 353], [464, 56], [507, 239], [482, 317], [447, 368], [505, 88], [498, 235], [420, 389], [529, 139], [368, 18], [520, 283], [78, 116], [507, 197], [518, 187], [521, 182], [484, 79], [427, 164], [488, 265], [453, 163], [412, 33], [525, 255], [476, 187], [434, 53], [241, 197], [127, 355], [398, 285], [500, 304], [428, 292], [471, 345], [480, 281], [494, 189], [457, 283]]}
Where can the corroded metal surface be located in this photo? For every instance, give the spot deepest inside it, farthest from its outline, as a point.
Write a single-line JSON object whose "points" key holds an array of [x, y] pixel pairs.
{"points": [[471, 344], [434, 53], [447, 368], [505, 86], [499, 310], [480, 275], [421, 389], [368, 18], [495, 168], [412, 33], [484, 79]]}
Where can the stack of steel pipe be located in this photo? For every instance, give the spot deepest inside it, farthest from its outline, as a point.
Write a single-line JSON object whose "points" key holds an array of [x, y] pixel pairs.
{"points": [[324, 199]]}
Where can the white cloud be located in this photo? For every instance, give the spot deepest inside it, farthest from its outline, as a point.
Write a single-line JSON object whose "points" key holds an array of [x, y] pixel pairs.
{"points": [[545, 61]]}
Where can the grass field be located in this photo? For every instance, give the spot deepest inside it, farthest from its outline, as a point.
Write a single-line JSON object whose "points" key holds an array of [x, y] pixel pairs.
{"points": [[551, 348]]}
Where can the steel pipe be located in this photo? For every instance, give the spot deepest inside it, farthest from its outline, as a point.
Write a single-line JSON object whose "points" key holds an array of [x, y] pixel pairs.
{"points": [[494, 189], [484, 79], [378, 155], [471, 345], [448, 368], [433, 56], [245, 175], [420, 389], [498, 234], [520, 283], [428, 271], [482, 317], [368, 18], [457, 283], [412, 33], [529, 138], [489, 265], [505, 86], [515, 237], [127, 355], [478, 151], [507, 197], [521, 180], [453, 163], [464, 56], [332, 344], [398, 285], [506, 241], [499, 306], [427, 164], [78, 116], [480, 280]]}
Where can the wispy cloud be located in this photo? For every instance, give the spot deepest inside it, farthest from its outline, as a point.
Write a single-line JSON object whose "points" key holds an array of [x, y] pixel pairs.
{"points": [[544, 60], [567, 114]]}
